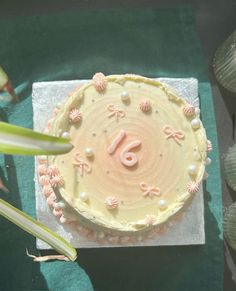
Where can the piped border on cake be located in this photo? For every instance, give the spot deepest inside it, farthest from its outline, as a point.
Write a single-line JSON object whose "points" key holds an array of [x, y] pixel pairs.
{"points": [[136, 226]]}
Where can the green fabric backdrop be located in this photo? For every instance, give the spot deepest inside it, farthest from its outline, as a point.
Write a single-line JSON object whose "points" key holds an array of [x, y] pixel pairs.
{"points": [[76, 45]]}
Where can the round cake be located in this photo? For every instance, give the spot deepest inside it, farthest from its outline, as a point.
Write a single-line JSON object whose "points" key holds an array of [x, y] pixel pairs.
{"points": [[139, 154]]}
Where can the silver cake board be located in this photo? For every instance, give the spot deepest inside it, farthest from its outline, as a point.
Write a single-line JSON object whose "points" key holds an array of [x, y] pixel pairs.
{"points": [[187, 231]]}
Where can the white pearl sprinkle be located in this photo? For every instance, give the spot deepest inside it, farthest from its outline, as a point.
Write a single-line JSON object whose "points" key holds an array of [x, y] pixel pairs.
{"points": [[59, 204], [58, 105], [83, 196], [62, 219], [44, 158], [110, 239], [192, 169], [88, 152], [139, 238], [80, 227], [124, 96], [195, 123], [208, 161], [66, 134], [162, 204], [205, 176], [197, 111], [101, 234]]}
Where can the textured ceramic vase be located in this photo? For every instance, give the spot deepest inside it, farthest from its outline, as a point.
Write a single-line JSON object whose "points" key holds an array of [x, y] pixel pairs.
{"points": [[230, 225], [230, 167], [224, 63]]}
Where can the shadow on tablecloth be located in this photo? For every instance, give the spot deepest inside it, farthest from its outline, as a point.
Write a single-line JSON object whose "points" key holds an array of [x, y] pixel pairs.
{"points": [[155, 268]]}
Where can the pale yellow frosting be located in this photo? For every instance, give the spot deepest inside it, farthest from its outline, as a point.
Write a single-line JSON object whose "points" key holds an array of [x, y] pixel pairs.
{"points": [[168, 146]]}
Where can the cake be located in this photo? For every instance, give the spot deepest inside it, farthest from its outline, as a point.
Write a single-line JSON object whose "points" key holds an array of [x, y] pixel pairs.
{"points": [[139, 156]]}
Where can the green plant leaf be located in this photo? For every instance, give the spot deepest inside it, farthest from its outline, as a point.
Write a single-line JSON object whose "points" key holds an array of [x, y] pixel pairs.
{"points": [[3, 78], [22, 141], [35, 228]]}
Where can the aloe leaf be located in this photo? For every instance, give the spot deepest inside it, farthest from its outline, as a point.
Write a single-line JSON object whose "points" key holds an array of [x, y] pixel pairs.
{"points": [[22, 141], [3, 78], [35, 228]]}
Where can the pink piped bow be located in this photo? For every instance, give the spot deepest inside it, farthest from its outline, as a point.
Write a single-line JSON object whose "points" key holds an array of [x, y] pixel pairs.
{"points": [[115, 111], [83, 166], [177, 135], [149, 190]]}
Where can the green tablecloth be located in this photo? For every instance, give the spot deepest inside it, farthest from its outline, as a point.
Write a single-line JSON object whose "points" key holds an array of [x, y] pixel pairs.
{"points": [[73, 46]]}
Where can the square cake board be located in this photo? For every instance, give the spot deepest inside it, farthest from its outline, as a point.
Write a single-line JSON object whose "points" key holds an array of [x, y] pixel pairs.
{"points": [[187, 231]]}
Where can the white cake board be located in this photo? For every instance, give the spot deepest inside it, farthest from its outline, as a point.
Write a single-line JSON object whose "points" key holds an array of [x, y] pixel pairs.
{"points": [[188, 231]]}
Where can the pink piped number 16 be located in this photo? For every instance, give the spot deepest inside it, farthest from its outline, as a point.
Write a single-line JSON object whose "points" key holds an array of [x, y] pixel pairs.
{"points": [[127, 158]]}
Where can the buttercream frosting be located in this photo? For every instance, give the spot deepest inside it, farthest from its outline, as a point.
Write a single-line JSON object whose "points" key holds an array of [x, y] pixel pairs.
{"points": [[189, 110], [100, 82], [44, 180], [75, 115], [149, 191], [115, 111], [145, 105], [135, 156], [111, 202], [209, 146], [57, 181]]}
